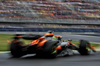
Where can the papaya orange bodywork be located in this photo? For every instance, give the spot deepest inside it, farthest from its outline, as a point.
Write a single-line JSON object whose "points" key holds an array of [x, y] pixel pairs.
{"points": [[59, 48], [34, 42], [92, 47], [8, 41], [38, 41], [41, 43], [19, 36], [49, 34], [58, 36], [41, 38], [71, 43]]}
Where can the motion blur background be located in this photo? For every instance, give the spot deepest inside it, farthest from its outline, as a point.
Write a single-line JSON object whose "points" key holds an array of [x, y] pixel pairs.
{"points": [[44, 15]]}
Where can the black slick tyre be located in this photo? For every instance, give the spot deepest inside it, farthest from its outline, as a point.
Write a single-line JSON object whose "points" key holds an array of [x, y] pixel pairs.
{"points": [[83, 47], [16, 51]]}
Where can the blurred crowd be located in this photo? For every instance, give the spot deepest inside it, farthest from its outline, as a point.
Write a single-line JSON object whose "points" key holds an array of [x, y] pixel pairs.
{"points": [[50, 9], [48, 26]]}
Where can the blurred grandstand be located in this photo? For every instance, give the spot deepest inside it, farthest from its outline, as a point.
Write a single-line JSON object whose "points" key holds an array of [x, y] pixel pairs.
{"points": [[50, 14]]}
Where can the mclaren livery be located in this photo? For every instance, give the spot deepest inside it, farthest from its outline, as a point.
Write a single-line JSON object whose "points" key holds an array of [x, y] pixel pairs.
{"points": [[47, 45]]}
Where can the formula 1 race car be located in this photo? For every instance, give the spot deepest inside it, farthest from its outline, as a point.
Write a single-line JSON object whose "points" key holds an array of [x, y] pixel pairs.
{"points": [[47, 45]]}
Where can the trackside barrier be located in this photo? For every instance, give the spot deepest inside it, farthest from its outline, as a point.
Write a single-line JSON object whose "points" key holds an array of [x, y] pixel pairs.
{"points": [[59, 21], [47, 29]]}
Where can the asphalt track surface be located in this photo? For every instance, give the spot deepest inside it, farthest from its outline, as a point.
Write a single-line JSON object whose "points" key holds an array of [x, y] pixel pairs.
{"points": [[74, 60]]}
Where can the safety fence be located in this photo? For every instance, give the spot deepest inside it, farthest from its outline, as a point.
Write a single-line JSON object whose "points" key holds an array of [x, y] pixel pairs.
{"points": [[64, 21], [47, 29]]}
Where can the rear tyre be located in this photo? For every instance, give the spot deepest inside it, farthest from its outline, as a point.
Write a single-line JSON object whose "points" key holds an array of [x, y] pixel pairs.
{"points": [[16, 51], [84, 47]]}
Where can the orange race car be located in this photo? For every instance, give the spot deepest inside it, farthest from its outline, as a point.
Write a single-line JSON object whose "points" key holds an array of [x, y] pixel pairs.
{"points": [[47, 45]]}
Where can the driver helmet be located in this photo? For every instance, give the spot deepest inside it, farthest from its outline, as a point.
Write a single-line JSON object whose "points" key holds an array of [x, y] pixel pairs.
{"points": [[49, 34]]}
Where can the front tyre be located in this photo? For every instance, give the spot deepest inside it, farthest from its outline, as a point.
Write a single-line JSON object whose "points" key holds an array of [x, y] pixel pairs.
{"points": [[84, 47]]}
